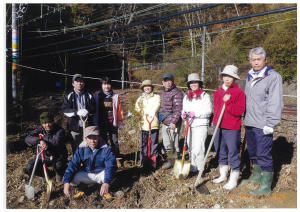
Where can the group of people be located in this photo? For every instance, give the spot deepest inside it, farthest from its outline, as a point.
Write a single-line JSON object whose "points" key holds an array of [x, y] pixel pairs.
{"points": [[92, 119]]}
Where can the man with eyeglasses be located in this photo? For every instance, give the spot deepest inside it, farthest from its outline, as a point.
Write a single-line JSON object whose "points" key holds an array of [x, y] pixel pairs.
{"points": [[77, 106], [52, 142]]}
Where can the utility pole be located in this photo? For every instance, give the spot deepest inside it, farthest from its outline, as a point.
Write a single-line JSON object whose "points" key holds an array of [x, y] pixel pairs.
{"points": [[123, 68], [203, 53], [15, 53]]}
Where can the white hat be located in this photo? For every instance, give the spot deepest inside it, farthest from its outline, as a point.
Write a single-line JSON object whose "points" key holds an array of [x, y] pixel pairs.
{"points": [[193, 77], [230, 70]]}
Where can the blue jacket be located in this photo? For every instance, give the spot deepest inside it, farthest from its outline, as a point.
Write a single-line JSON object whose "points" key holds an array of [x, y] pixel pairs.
{"points": [[102, 159]]}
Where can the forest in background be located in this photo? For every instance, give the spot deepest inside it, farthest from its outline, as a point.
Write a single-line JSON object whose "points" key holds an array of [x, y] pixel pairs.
{"points": [[67, 39]]}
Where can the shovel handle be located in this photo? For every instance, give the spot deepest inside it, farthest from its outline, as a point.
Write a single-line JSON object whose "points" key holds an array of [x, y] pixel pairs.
{"points": [[210, 145], [186, 132], [43, 160], [149, 137]]}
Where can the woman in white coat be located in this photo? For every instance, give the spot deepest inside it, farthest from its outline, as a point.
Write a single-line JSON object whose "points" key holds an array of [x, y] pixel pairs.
{"points": [[197, 105]]}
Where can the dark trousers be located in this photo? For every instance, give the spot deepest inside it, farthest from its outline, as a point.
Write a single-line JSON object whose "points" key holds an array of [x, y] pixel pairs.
{"points": [[113, 137], [260, 147], [59, 166], [144, 142], [227, 145]]}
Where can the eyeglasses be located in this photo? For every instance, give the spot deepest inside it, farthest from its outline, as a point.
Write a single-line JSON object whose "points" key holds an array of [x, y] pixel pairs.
{"points": [[47, 115]]}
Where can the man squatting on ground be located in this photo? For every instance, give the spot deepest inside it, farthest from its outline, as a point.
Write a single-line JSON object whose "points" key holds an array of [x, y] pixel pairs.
{"points": [[53, 144], [78, 103], [228, 137], [263, 113], [99, 163], [171, 101]]}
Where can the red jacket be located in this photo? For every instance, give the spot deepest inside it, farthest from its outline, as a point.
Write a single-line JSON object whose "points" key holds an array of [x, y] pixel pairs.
{"points": [[234, 107]]}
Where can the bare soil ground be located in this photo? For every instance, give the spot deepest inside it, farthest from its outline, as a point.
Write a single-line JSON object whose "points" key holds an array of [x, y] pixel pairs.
{"points": [[134, 187]]}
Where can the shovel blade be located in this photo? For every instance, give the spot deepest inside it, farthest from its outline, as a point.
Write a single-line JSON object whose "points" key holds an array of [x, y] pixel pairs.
{"points": [[49, 187], [29, 190], [181, 171]]}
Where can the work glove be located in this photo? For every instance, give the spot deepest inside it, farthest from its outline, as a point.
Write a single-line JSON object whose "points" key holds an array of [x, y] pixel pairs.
{"points": [[268, 130], [120, 125], [191, 114], [151, 115], [82, 112], [183, 116], [129, 114]]}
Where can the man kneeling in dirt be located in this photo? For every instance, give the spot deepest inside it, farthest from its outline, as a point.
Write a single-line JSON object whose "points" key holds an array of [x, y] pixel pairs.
{"points": [[99, 163], [52, 141]]}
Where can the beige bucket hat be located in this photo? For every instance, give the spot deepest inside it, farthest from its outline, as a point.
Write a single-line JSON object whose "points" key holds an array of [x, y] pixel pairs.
{"points": [[230, 70], [193, 77], [146, 82]]}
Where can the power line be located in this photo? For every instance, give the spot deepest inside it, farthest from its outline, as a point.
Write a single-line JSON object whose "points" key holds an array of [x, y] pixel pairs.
{"points": [[178, 29], [131, 25]]}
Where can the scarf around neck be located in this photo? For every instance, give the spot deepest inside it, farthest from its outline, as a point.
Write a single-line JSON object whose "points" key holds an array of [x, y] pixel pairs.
{"points": [[108, 93], [198, 93]]}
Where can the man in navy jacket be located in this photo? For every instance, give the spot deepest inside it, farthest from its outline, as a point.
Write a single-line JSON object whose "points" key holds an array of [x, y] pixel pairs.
{"points": [[77, 105], [99, 163]]}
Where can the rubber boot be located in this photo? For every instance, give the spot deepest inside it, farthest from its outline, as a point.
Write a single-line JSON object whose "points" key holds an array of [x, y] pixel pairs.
{"points": [[256, 176], [223, 174], [265, 185], [232, 183]]}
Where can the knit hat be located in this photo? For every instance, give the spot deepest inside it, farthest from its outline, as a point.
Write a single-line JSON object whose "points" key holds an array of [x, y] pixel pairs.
{"points": [[77, 76], [91, 130], [146, 82], [230, 70], [167, 75], [46, 117]]}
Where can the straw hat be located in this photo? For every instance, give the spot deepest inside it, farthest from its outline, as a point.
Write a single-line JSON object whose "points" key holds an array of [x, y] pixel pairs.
{"points": [[230, 70], [146, 82]]}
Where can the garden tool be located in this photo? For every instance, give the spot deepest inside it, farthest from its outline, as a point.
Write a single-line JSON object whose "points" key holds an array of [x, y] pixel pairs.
{"points": [[203, 189], [151, 157], [29, 190], [84, 121], [181, 167], [49, 181], [171, 135]]}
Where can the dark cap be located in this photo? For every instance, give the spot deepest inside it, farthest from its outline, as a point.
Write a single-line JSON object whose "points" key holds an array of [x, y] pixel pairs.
{"points": [[167, 75], [91, 130], [77, 76], [46, 117]]}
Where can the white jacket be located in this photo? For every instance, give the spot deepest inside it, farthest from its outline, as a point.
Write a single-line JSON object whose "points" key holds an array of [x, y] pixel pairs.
{"points": [[201, 107]]}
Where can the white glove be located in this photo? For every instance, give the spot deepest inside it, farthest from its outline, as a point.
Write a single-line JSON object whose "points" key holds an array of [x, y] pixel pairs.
{"points": [[80, 112], [151, 115], [129, 114], [86, 112], [268, 130], [120, 125]]}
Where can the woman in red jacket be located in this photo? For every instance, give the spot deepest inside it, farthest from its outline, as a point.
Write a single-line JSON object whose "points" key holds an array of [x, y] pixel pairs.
{"points": [[227, 140]]}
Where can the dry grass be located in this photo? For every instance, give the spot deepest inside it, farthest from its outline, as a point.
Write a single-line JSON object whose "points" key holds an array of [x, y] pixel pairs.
{"points": [[134, 187]]}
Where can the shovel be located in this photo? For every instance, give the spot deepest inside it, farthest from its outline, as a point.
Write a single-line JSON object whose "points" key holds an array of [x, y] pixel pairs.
{"points": [[181, 167], [29, 190], [152, 157], [49, 181], [203, 189]]}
